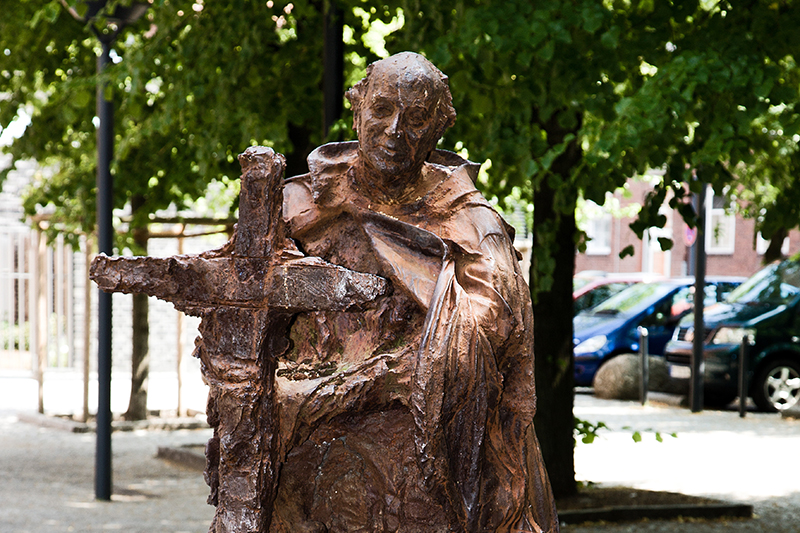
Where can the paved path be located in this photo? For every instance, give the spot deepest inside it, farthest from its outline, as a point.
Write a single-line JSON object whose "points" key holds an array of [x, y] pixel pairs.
{"points": [[48, 483], [717, 454], [48, 474]]}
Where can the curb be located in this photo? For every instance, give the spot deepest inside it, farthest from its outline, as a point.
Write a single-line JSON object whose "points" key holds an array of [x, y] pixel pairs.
{"points": [[66, 424], [183, 456], [656, 512]]}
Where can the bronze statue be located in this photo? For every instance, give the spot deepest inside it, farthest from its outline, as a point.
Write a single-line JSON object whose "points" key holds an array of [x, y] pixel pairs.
{"points": [[405, 404]]}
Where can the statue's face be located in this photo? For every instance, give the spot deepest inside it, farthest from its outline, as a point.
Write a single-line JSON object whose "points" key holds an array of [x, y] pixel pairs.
{"points": [[397, 123]]}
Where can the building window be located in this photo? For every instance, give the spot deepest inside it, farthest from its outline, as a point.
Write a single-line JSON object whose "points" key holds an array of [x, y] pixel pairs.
{"points": [[762, 244], [720, 225], [598, 230]]}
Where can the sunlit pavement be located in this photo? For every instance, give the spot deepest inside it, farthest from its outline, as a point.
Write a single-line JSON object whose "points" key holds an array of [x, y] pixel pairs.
{"points": [[48, 482], [715, 453], [48, 474]]}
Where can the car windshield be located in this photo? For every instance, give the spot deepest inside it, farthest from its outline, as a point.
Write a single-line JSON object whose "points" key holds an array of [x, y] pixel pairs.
{"points": [[631, 299], [599, 294], [776, 284]]}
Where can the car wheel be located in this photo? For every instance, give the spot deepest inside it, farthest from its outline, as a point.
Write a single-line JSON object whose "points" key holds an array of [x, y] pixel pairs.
{"points": [[777, 386]]}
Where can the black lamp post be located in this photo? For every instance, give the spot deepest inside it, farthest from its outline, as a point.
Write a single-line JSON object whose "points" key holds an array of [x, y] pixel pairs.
{"points": [[117, 20]]}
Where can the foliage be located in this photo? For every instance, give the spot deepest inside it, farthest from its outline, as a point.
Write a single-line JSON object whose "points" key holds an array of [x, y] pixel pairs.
{"points": [[690, 86], [587, 432], [193, 83], [637, 434], [15, 336]]}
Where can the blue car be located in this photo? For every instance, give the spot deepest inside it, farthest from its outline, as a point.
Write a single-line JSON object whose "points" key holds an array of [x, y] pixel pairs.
{"points": [[612, 328]]}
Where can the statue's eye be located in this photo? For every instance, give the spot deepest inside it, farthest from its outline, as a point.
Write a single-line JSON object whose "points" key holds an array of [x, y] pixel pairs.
{"points": [[381, 110], [416, 117]]}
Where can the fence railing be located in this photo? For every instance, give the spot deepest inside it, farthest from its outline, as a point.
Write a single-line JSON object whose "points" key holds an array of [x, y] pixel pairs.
{"points": [[36, 302]]}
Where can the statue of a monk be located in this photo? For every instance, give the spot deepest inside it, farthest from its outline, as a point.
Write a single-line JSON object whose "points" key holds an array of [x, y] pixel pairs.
{"points": [[415, 414]]}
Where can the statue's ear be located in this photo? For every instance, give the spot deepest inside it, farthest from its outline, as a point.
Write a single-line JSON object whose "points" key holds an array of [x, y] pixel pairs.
{"points": [[447, 117], [356, 96]]}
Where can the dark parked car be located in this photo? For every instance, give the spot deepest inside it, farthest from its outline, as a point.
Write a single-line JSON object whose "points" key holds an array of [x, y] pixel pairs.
{"points": [[768, 306], [611, 328]]}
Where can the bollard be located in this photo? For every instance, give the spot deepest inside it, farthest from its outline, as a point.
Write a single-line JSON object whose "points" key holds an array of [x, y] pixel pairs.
{"points": [[744, 355], [644, 364]]}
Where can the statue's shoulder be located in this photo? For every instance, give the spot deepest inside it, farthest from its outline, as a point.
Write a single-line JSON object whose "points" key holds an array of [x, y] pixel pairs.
{"points": [[328, 166], [332, 159], [455, 178], [468, 217], [454, 163], [311, 197]]}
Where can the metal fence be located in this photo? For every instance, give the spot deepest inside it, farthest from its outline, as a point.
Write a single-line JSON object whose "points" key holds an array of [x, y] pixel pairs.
{"points": [[36, 302]]}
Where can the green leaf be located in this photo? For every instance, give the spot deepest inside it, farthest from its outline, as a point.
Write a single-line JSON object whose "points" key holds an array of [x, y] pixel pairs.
{"points": [[610, 39], [592, 17], [545, 53]]}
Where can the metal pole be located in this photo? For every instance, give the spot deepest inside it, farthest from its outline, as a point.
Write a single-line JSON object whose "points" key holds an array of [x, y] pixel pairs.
{"points": [[744, 354], [644, 354], [105, 242], [41, 313], [696, 386]]}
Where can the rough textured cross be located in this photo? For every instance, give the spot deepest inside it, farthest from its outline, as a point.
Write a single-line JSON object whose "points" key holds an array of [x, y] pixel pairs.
{"points": [[245, 293]]}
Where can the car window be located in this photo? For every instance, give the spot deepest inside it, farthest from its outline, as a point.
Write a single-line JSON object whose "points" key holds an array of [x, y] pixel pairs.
{"points": [[661, 314], [683, 300], [630, 299], [723, 291], [715, 292], [599, 294], [776, 284]]}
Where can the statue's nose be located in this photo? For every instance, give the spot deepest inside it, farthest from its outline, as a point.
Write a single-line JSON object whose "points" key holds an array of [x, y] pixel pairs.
{"points": [[393, 129]]}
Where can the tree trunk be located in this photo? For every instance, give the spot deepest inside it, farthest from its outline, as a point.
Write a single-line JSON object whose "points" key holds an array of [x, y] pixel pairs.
{"points": [[773, 252], [552, 328], [300, 138], [554, 251], [140, 357]]}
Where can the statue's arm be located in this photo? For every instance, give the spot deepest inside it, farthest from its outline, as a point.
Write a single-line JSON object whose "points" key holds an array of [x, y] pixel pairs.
{"points": [[486, 269]]}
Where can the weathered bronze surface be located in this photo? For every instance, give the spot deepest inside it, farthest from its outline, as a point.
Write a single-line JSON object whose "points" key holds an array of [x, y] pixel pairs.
{"points": [[369, 350]]}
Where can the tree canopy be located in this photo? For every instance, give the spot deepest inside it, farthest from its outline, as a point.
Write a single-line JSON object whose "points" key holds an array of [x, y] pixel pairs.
{"points": [[193, 83]]}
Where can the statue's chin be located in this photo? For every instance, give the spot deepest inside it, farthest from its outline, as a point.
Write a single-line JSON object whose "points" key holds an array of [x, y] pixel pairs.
{"points": [[393, 171]]}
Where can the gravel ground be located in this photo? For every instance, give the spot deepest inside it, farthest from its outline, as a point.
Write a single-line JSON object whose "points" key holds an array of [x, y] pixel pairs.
{"points": [[48, 474], [48, 483]]}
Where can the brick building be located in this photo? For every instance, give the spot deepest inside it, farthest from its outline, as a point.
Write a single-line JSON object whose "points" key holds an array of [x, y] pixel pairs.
{"points": [[732, 245]]}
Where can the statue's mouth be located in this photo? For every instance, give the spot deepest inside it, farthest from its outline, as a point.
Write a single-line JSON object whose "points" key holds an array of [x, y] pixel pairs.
{"points": [[392, 151]]}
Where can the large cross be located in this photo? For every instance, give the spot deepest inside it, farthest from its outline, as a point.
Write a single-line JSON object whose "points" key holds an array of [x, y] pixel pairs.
{"points": [[245, 293]]}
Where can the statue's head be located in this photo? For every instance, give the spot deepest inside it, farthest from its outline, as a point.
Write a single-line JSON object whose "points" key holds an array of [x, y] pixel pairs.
{"points": [[400, 111]]}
